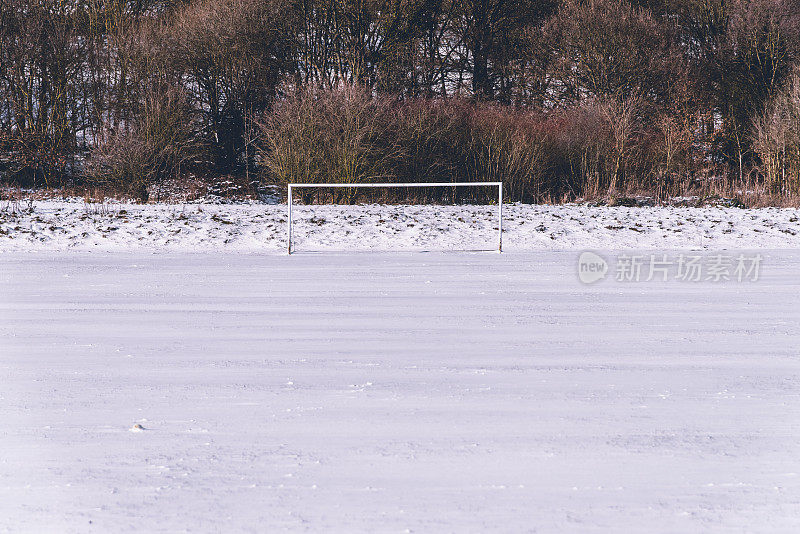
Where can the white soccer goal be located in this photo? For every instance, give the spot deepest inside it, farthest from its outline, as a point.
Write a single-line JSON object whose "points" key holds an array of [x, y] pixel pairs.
{"points": [[499, 186]]}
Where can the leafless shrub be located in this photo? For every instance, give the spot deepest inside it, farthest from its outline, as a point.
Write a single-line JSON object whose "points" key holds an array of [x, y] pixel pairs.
{"points": [[509, 148], [149, 150], [578, 141], [776, 138], [346, 135], [97, 209], [461, 141], [668, 153], [339, 136], [17, 207]]}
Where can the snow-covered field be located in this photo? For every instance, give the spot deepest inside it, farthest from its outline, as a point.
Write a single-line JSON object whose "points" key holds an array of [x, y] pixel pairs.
{"points": [[262, 227], [392, 392], [443, 392]]}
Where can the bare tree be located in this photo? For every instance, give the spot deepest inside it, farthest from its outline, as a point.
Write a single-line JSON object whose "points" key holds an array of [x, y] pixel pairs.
{"points": [[151, 149]]}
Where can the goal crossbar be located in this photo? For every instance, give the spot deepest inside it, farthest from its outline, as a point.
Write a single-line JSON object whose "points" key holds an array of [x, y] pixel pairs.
{"points": [[499, 186]]}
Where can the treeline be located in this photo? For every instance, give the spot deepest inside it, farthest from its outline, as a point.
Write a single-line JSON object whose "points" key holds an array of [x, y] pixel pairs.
{"points": [[557, 98]]}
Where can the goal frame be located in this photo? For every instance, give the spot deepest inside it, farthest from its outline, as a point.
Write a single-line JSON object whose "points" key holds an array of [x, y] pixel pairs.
{"points": [[499, 186]]}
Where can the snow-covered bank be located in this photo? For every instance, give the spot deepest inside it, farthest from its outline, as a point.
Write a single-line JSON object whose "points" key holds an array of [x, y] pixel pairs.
{"points": [[262, 228], [393, 393]]}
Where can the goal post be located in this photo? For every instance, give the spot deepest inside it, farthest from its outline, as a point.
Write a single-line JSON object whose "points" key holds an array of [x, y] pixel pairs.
{"points": [[499, 186]]}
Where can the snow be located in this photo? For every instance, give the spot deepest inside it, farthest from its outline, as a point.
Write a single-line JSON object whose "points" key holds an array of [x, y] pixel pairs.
{"points": [[58, 225], [440, 392]]}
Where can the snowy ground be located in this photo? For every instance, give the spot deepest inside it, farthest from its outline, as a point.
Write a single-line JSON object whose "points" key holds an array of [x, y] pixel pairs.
{"points": [[262, 228], [441, 392]]}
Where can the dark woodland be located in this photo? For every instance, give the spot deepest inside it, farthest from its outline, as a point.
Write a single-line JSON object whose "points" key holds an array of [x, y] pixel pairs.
{"points": [[559, 99]]}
